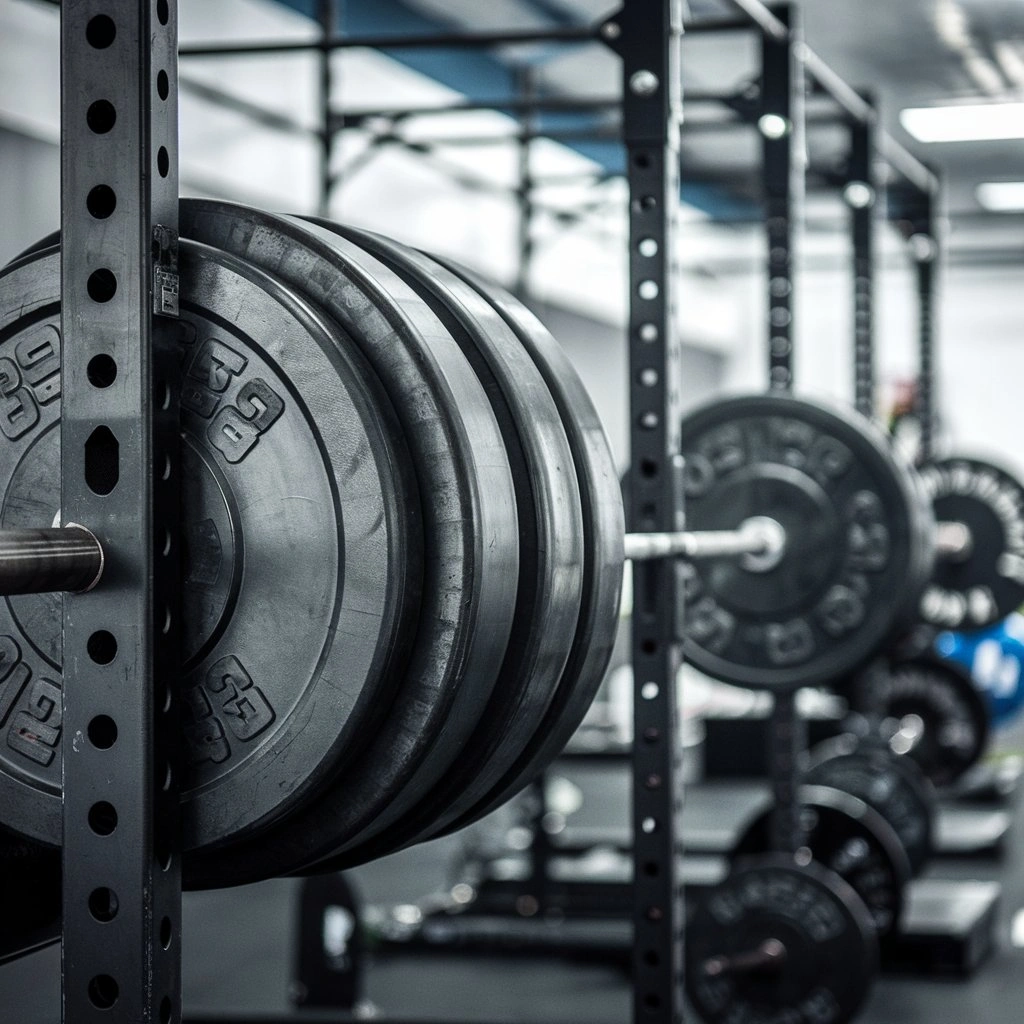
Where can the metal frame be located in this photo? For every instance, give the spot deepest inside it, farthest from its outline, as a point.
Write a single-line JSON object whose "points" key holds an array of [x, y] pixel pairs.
{"points": [[860, 191], [647, 36], [142, 865], [121, 852]]}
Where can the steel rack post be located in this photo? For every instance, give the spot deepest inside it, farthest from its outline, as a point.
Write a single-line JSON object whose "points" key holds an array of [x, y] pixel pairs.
{"points": [[327, 16], [119, 471], [783, 163], [647, 36], [924, 245], [860, 193], [780, 125]]}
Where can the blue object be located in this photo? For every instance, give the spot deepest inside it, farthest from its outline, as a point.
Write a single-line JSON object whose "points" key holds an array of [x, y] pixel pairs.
{"points": [[995, 659]]}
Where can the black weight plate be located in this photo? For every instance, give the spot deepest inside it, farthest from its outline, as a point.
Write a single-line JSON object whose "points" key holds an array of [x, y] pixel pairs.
{"points": [[846, 836], [831, 951], [550, 542], [602, 544], [857, 544], [945, 713], [470, 526], [300, 555], [986, 585], [892, 785]]}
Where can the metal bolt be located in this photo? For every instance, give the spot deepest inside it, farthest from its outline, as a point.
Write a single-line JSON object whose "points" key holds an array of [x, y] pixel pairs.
{"points": [[644, 82], [773, 126], [859, 195]]}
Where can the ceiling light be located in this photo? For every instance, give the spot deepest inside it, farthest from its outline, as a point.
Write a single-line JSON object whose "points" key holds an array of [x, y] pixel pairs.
{"points": [[1001, 195], [968, 122]]}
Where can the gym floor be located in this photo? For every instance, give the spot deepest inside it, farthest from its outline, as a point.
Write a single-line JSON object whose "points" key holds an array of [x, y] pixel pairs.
{"points": [[237, 954]]}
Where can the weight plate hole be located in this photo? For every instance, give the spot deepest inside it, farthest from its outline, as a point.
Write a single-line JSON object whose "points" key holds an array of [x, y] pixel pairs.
{"points": [[649, 691], [648, 333], [101, 116], [163, 85], [101, 201], [163, 161], [101, 371], [651, 957], [103, 730], [102, 818], [651, 868], [647, 247], [168, 778], [649, 826], [652, 1001], [161, 11], [165, 934], [103, 904], [103, 991], [165, 1010], [100, 32], [102, 648], [102, 285]]}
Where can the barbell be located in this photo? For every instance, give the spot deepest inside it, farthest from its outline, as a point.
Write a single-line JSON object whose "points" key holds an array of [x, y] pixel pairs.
{"points": [[402, 544]]}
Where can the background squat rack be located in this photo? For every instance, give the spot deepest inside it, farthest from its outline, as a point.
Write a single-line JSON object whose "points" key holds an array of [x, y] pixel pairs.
{"points": [[135, 790]]}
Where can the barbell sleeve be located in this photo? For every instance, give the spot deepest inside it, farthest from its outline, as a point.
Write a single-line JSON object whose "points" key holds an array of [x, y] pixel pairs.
{"points": [[953, 541], [51, 560], [759, 542]]}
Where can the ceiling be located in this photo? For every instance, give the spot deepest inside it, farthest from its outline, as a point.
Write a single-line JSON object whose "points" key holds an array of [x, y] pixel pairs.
{"points": [[910, 52]]}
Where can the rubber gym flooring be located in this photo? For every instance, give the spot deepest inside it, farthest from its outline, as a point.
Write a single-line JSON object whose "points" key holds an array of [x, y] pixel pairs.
{"points": [[237, 951]]}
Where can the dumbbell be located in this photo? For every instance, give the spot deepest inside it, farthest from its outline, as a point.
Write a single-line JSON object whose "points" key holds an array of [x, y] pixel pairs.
{"points": [[866, 767], [782, 937], [925, 708]]}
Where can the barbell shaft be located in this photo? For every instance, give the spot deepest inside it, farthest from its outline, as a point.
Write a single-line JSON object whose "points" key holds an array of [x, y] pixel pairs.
{"points": [[760, 539], [49, 560]]}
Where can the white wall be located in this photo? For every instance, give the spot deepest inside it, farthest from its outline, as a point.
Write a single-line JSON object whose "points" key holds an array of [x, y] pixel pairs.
{"points": [[980, 339]]}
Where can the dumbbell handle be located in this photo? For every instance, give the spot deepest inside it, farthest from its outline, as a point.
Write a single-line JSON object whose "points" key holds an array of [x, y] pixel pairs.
{"points": [[770, 953], [50, 560]]}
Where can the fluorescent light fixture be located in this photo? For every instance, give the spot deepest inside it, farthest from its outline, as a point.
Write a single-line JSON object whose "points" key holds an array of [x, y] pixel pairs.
{"points": [[1001, 195], [965, 122]]}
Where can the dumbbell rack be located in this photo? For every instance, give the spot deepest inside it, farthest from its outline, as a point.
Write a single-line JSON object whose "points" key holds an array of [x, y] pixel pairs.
{"points": [[121, 957]]}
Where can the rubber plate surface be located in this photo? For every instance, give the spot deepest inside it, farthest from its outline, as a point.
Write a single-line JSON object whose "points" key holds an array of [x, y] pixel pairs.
{"points": [[300, 568], [936, 702], [831, 951], [892, 785], [856, 554], [550, 542], [470, 539], [988, 584], [602, 545], [846, 836]]}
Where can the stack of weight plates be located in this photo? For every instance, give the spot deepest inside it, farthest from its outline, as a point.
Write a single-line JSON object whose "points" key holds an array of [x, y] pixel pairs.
{"points": [[401, 551]]}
